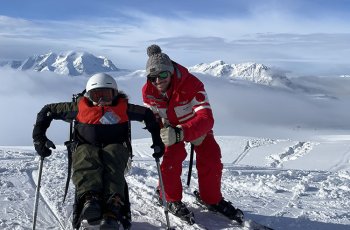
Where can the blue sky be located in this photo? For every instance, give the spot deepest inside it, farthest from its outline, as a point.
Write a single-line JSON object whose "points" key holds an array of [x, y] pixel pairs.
{"points": [[305, 37]]}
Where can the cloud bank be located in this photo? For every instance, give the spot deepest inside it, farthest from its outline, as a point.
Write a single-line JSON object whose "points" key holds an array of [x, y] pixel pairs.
{"points": [[240, 108]]}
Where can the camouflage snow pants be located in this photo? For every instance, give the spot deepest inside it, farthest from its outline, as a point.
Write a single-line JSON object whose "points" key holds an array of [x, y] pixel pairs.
{"points": [[100, 169]]}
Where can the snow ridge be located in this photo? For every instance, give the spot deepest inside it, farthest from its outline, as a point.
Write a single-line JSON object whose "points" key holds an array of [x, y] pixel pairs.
{"points": [[292, 153]]}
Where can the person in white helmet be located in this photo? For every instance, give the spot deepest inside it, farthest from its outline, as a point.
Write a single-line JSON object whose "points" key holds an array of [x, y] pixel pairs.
{"points": [[103, 148]]}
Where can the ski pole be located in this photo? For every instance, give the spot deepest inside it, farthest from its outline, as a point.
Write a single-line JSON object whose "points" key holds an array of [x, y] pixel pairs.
{"points": [[166, 211], [190, 166], [37, 192], [69, 147]]}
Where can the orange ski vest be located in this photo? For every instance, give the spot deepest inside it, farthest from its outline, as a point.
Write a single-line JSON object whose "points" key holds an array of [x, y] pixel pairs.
{"points": [[113, 114]]}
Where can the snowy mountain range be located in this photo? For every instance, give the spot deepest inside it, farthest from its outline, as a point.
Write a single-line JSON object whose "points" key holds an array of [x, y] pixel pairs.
{"points": [[73, 63], [66, 63], [250, 71], [82, 63]]}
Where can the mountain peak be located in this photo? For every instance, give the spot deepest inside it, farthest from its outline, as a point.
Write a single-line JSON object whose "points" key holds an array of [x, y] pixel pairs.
{"points": [[71, 63], [251, 71]]}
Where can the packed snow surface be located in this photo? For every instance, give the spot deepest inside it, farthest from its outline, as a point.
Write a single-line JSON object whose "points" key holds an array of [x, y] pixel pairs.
{"points": [[282, 183]]}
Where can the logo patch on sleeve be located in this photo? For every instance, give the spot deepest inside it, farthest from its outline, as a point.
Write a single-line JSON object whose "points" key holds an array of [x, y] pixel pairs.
{"points": [[200, 97]]}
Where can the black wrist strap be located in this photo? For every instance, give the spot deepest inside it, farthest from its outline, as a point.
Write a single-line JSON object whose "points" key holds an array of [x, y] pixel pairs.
{"points": [[177, 134]]}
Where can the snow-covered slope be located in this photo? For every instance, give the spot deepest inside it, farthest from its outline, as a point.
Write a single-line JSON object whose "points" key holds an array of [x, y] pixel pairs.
{"points": [[66, 63], [285, 184], [250, 71]]}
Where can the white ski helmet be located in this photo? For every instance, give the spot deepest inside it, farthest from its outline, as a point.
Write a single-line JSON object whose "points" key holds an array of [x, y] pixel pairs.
{"points": [[101, 80]]}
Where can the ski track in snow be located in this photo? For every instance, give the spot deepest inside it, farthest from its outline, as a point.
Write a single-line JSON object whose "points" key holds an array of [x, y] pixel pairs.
{"points": [[271, 195], [344, 160], [291, 153], [17, 189]]}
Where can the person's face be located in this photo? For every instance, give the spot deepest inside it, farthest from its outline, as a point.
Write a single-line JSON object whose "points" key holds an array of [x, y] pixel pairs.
{"points": [[161, 80], [101, 96]]}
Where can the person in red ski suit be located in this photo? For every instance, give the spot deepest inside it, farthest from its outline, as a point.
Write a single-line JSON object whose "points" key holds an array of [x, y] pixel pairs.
{"points": [[181, 104]]}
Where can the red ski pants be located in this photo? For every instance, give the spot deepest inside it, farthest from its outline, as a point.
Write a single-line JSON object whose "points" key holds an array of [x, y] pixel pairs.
{"points": [[209, 167]]}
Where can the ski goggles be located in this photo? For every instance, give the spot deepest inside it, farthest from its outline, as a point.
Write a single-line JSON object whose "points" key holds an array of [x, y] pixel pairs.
{"points": [[101, 95], [161, 76]]}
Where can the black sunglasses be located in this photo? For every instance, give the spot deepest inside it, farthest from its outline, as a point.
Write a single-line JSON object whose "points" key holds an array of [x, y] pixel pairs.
{"points": [[162, 75]]}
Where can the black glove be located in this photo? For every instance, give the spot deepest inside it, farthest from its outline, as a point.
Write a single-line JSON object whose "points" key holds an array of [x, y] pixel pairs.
{"points": [[158, 150], [43, 145]]}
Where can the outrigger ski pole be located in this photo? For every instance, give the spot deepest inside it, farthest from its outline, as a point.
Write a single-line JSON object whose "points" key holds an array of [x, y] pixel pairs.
{"points": [[166, 211], [37, 192]]}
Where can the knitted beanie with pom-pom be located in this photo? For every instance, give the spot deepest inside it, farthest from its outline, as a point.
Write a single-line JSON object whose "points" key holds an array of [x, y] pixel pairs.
{"points": [[158, 61]]}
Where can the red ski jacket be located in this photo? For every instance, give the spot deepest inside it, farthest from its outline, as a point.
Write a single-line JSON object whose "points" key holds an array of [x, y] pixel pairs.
{"points": [[185, 103]]}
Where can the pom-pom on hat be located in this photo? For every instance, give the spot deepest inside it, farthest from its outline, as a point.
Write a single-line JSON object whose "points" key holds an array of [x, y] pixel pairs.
{"points": [[157, 61]]}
